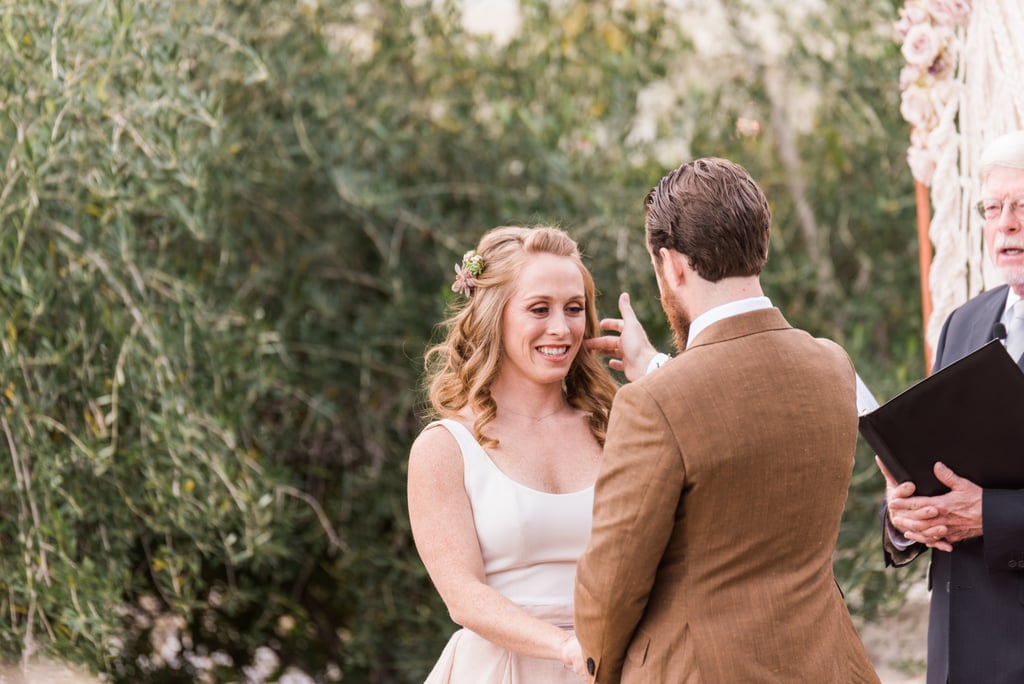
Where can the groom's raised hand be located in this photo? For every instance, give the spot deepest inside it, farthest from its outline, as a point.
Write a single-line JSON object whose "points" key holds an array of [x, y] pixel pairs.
{"points": [[630, 350]]}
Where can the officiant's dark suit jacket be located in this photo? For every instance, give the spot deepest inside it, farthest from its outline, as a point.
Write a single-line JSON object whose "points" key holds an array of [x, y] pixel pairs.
{"points": [[976, 624], [716, 514]]}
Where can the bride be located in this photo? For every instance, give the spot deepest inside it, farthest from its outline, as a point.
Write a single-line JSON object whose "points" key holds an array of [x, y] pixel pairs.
{"points": [[500, 486]]}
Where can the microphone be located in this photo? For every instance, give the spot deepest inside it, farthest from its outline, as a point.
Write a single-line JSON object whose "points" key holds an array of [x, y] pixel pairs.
{"points": [[999, 332]]}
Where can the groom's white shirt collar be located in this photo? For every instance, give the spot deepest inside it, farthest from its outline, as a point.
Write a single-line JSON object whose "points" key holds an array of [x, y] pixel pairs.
{"points": [[723, 311]]}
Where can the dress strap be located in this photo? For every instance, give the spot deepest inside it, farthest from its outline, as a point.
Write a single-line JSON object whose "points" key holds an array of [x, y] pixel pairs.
{"points": [[467, 442], [477, 467]]}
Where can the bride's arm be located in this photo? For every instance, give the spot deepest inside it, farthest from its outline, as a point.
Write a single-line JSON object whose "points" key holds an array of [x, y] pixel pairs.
{"points": [[445, 536]]}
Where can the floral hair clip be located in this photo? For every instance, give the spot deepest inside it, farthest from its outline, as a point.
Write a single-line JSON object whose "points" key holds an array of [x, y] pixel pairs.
{"points": [[472, 266]]}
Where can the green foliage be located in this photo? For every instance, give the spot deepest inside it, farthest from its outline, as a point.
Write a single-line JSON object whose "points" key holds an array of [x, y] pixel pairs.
{"points": [[226, 233]]}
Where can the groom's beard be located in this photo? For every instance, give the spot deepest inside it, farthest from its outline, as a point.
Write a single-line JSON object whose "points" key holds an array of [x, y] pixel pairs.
{"points": [[678, 319]]}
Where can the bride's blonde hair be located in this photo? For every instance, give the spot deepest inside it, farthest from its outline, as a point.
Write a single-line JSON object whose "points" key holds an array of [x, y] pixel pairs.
{"points": [[461, 369]]}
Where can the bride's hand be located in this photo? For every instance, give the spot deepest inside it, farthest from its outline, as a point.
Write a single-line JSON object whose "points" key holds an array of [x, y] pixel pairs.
{"points": [[572, 656]]}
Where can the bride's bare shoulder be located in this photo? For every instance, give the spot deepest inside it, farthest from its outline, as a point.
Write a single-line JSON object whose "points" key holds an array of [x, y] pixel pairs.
{"points": [[435, 447]]}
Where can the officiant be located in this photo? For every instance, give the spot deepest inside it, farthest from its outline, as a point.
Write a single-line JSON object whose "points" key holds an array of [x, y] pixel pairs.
{"points": [[976, 535]]}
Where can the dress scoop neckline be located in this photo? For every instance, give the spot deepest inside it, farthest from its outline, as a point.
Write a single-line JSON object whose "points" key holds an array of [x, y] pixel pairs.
{"points": [[447, 422]]}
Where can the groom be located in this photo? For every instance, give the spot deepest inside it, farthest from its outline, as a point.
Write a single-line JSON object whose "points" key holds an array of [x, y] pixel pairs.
{"points": [[725, 470]]}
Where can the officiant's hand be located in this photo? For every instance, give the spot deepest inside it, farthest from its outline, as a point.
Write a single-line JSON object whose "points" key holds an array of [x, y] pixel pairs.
{"points": [[893, 490], [630, 350], [940, 521]]}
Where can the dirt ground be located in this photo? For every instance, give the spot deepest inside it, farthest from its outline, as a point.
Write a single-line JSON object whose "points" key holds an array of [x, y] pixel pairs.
{"points": [[43, 673], [897, 644]]}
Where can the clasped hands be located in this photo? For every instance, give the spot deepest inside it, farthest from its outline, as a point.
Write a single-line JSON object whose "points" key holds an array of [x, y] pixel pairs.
{"points": [[572, 655], [936, 521]]}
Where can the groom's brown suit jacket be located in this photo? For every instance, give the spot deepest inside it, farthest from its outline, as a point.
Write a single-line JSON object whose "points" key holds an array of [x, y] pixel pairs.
{"points": [[716, 514]]}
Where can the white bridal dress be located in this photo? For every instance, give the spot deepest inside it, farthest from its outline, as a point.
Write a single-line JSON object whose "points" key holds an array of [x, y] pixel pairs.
{"points": [[530, 542]]}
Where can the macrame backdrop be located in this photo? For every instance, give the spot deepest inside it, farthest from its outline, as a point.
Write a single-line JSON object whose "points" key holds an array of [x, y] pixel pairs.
{"points": [[987, 101]]}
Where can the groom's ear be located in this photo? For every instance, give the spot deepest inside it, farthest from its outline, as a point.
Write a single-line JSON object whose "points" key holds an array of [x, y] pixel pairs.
{"points": [[675, 265]]}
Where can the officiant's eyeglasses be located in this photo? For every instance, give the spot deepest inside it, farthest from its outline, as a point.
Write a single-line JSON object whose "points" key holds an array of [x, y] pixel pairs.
{"points": [[991, 209]]}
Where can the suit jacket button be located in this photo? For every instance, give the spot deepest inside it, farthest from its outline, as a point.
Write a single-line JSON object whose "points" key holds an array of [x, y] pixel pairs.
{"points": [[590, 666], [1013, 564]]}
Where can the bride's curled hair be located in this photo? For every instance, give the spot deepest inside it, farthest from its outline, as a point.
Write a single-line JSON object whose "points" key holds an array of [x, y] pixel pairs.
{"points": [[461, 369]]}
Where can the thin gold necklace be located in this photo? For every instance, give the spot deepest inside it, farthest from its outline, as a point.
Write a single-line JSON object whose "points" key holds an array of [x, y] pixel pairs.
{"points": [[535, 419]]}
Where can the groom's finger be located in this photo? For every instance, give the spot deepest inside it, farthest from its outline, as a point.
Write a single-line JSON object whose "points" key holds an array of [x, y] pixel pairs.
{"points": [[612, 324], [607, 345], [625, 308]]}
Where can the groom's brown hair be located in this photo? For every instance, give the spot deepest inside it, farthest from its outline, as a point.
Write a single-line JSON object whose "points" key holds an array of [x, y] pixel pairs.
{"points": [[711, 211]]}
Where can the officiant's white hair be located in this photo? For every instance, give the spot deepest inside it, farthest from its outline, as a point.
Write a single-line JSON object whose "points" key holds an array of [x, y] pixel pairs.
{"points": [[1006, 150]]}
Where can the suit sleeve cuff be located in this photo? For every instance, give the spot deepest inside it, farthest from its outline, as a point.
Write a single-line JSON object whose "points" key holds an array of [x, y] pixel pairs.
{"points": [[657, 362]]}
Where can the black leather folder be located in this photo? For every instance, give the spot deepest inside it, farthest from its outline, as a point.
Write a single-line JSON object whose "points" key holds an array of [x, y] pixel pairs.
{"points": [[969, 415]]}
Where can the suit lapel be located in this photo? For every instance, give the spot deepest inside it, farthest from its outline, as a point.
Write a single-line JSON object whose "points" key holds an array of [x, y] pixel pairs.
{"points": [[972, 326], [988, 315]]}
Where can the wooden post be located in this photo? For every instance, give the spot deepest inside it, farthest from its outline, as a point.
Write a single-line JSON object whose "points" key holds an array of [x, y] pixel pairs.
{"points": [[924, 253]]}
